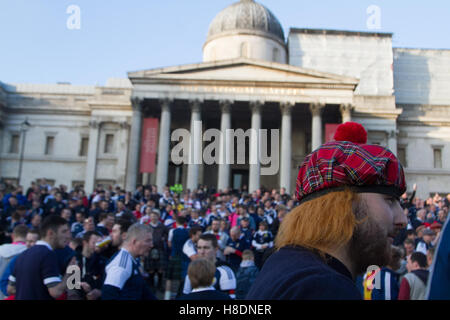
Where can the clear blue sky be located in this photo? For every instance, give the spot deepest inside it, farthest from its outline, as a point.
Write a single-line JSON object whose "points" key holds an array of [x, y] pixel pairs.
{"points": [[120, 36]]}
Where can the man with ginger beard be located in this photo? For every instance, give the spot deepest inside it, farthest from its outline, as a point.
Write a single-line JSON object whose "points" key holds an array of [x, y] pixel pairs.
{"points": [[372, 239], [348, 216]]}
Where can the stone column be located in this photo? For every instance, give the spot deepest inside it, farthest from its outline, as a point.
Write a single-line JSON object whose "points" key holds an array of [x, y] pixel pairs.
{"points": [[145, 178], [134, 146], [286, 150], [255, 147], [195, 145], [91, 166], [225, 145], [316, 111], [122, 156], [346, 112], [163, 145], [392, 141]]}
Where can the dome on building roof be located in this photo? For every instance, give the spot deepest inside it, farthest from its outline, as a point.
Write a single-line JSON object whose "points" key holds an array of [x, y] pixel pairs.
{"points": [[246, 16]]}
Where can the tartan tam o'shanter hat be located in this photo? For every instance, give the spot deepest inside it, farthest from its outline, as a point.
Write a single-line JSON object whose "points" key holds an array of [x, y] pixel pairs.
{"points": [[348, 162]]}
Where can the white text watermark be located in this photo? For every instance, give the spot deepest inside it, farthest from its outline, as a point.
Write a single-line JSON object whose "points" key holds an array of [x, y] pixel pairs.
{"points": [[227, 147]]}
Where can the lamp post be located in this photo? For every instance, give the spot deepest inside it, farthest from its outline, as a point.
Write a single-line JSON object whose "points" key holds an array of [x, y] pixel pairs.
{"points": [[24, 126]]}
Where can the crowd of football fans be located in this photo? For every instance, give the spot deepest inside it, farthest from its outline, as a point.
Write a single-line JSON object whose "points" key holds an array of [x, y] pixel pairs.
{"points": [[237, 229]]}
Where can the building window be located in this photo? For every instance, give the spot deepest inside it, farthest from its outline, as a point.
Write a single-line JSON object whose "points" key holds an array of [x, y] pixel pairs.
{"points": [[84, 146], [47, 182], [109, 142], [14, 147], [10, 182], [49, 143], [77, 184], [275, 54], [401, 153], [105, 183], [437, 156]]}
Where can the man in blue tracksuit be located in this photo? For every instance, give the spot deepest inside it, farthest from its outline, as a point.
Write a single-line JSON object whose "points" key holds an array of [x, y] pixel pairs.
{"points": [[123, 279]]}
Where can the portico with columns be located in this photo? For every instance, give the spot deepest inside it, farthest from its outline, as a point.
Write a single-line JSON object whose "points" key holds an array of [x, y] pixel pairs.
{"points": [[236, 94]]}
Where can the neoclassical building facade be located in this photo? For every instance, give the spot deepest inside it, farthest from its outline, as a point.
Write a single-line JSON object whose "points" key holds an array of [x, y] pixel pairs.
{"points": [[251, 77]]}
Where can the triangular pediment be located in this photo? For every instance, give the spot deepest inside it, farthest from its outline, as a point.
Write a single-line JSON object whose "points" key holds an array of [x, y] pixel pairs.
{"points": [[247, 70]]}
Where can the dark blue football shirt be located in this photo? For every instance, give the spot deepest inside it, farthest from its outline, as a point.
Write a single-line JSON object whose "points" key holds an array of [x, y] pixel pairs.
{"points": [[295, 273], [35, 270]]}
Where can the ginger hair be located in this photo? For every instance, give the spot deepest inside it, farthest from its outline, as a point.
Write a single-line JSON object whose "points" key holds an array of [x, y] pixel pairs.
{"points": [[322, 223]]}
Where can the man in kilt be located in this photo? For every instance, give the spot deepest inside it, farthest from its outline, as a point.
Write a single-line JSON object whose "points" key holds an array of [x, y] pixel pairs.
{"points": [[156, 262], [178, 261]]}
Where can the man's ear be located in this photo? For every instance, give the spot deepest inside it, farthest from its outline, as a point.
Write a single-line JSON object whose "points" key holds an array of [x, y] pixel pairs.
{"points": [[50, 233]]}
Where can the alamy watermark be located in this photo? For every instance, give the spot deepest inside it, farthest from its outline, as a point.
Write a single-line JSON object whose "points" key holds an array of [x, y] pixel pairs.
{"points": [[373, 273], [221, 149], [74, 20], [74, 279], [373, 21]]}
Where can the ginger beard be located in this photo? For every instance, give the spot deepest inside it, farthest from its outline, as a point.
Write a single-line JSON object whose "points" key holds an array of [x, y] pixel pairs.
{"points": [[370, 243]]}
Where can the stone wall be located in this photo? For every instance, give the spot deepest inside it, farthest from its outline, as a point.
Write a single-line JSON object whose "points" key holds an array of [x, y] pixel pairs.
{"points": [[64, 112], [367, 56]]}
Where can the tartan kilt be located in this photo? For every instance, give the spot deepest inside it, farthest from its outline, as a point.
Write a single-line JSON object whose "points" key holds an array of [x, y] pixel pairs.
{"points": [[156, 264], [175, 269]]}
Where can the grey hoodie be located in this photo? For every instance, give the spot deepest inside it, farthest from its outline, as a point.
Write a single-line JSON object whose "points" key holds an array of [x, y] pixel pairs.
{"points": [[7, 253]]}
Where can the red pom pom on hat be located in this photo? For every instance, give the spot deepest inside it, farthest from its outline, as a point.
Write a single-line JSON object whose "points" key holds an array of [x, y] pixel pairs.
{"points": [[351, 131]]}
